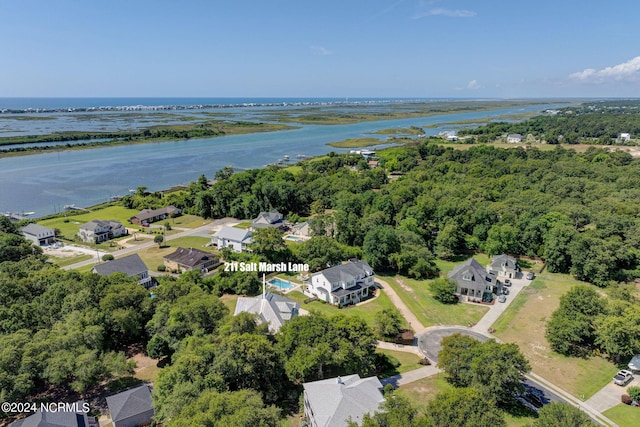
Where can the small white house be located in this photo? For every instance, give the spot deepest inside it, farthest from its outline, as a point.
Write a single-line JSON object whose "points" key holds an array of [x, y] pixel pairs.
{"points": [[231, 237], [38, 234], [343, 284], [624, 137], [514, 138]]}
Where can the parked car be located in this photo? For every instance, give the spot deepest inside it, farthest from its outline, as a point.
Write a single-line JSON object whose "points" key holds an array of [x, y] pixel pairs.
{"points": [[505, 291], [622, 377], [502, 298], [634, 363], [507, 282], [530, 275]]}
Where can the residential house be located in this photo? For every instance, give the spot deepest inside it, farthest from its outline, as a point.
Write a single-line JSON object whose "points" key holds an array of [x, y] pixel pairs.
{"points": [[73, 416], [301, 229], [503, 266], [514, 138], [97, 231], [335, 401], [270, 308], [131, 265], [373, 164], [343, 284], [624, 137], [473, 281], [132, 407], [231, 237], [147, 216], [38, 234], [268, 219], [184, 259]]}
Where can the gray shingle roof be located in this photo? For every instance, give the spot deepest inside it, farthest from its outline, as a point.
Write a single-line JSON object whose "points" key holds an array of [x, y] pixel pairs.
{"points": [[54, 419], [233, 234], [95, 224], [267, 219], [334, 400], [472, 268], [152, 213], [347, 272], [273, 309], [190, 257], [36, 230], [130, 403], [131, 265], [498, 260]]}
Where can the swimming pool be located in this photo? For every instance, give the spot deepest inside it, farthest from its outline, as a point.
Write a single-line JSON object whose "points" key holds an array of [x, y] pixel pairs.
{"points": [[293, 238], [282, 284]]}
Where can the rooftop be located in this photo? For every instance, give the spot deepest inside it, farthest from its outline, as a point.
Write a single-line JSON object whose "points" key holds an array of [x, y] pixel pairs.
{"points": [[131, 265]]}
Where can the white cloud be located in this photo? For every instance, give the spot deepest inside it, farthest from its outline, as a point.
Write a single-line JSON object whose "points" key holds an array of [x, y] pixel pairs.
{"points": [[319, 50], [627, 71], [473, 84], [439, 11]]}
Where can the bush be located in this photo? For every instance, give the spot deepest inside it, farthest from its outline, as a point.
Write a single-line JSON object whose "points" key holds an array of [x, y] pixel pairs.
{"points": [[634, 393], [444, 290], [626, 399], [107, 257], [161, 268]]}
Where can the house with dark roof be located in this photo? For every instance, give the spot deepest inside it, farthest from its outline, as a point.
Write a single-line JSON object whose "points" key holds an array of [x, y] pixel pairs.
{"points": [[268, 219], [473, 281], [334, 401], [343, 284], [270, 308], [38, 234], [231, 237], [75, 415], [131, 265], [147, 216], [97, 231], [132, 407], [184, 259], [504, 266]]}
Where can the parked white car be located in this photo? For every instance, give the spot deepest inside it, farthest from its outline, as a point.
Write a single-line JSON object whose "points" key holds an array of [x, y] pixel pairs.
{"points": [[622, 377]]}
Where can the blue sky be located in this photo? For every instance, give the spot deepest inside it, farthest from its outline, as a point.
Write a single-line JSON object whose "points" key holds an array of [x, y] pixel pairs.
{"points": [[297, 48]]}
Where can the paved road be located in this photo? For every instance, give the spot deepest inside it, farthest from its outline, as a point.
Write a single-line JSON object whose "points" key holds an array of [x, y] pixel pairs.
{"points": [[204, 230]]}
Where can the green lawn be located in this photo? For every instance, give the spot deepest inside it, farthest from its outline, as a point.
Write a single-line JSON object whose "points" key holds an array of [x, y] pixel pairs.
{"points": [[187, 221], [230, 300], [524, 323], [365, 310], [402, 360], [70, 228], [624, 415], [64, 261], [153, 256], [417, 296]]}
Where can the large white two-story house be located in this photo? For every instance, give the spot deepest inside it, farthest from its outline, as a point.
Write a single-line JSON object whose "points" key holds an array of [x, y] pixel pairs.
{"points": [[38, 234], [343, 284], [97, 231], [237, 239]]}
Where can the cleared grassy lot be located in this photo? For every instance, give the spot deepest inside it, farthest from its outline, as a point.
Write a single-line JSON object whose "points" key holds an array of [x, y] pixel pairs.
{"points": [[70, 228], [624, 415], [366, 310], [417, 296], [524, 323], [402, 360], [64, 261], [230, 301]]}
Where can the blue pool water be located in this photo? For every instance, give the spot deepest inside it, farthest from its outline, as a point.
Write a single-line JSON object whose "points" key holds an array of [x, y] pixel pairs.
{"points": [[280, 283]]}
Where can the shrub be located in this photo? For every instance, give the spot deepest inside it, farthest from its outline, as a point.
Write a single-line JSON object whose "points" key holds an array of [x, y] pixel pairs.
{"points": [[161, 268], [107, 257], [634, 393], [626, 399]]}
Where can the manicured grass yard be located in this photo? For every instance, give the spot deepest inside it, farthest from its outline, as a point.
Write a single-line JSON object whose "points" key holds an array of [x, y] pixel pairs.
{"points": [[405, 361], [153, 256], [230, 301], [70, 228], [186, 221], [365, 310], [624, 415], [64, 261], [524, 323], [417, 296]]}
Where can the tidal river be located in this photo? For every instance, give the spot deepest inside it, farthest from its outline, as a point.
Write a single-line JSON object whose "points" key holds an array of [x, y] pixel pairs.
{"points": [[44, 183]]}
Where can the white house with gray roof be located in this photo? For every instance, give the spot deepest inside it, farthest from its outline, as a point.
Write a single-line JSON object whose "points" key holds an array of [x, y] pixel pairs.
{"points": [[504, 266], [473, 280], [332, 402], [343, 284], [131, 265], [38, 234], [97, 230], [132, 407], [270, 308], [231, 237]]}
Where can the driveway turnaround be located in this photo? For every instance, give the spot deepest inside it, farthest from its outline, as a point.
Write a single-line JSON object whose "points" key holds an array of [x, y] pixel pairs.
{"points": [[498, 308]]}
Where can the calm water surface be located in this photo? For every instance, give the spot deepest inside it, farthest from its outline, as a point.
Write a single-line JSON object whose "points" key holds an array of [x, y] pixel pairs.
{"points": [[44, 183]]}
